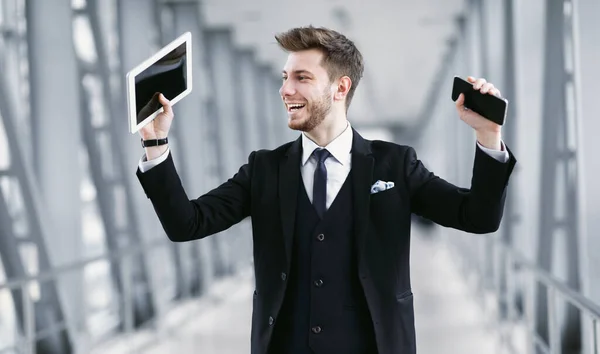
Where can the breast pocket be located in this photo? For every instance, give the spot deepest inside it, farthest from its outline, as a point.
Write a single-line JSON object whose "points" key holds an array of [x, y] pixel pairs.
{"points": [[385, 201], [381, 196], [387, 210]]}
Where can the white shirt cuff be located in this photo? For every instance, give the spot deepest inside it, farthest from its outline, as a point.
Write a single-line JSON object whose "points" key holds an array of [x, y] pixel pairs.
{"points": [[500, 155], [145, 165]]}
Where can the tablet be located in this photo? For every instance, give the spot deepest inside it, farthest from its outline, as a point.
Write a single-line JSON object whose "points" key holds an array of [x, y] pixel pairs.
{"points": [[169, 72]]}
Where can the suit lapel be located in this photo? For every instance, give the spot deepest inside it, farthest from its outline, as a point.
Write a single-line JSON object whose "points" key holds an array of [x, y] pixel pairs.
{"points": [[362, 175], [289, 179]]}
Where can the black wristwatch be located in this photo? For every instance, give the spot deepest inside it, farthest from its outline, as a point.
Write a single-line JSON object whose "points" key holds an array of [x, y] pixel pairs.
{"points": [[154, 142]]}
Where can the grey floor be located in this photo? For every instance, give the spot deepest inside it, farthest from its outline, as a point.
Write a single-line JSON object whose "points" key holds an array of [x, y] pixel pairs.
{"points": [[448, 317]]}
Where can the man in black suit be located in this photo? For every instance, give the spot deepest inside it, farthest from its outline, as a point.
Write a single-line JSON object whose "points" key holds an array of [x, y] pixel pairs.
{"points": [[331, 211]]}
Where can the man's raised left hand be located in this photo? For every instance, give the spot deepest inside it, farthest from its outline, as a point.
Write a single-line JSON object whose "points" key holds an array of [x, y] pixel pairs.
{"points": [[489, 134]]}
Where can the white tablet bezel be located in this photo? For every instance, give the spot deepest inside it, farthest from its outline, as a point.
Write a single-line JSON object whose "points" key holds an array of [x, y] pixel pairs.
{"points": [[130, 79]]}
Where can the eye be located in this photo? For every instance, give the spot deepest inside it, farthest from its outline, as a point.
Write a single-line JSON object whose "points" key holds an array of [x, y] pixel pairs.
{"points": [[284, 78], [301, 77]]}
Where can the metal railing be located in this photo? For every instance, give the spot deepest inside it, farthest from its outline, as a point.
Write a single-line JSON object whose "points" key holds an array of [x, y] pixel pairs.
{"points": [[516, 265], [26, 343]]}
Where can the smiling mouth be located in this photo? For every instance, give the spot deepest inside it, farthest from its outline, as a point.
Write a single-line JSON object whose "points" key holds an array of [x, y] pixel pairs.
{"points": [[295, 107]]}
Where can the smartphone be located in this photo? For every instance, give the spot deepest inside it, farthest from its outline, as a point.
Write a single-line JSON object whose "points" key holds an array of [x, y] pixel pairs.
{"points": [[488, 106]]}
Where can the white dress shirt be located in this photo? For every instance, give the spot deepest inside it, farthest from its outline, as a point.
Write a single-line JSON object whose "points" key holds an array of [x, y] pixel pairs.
{"points": [[338, 164]]}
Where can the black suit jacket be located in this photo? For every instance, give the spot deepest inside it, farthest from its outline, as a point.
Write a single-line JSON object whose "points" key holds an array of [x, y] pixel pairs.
{"points": [[266, 189]]}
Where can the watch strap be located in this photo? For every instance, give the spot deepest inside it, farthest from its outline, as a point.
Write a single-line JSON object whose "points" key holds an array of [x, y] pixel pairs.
{"points": [[154, 142]]}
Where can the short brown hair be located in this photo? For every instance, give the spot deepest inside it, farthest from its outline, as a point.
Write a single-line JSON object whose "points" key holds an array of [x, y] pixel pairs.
{"points": [[340, 55]]}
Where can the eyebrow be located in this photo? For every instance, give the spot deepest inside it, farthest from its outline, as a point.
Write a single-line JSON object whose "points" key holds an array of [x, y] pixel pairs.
{"points": [[298, 72]]}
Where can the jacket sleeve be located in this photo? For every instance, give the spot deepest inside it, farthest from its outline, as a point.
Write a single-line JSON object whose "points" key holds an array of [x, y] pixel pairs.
{"points": [[478, 209], [184, 219]]}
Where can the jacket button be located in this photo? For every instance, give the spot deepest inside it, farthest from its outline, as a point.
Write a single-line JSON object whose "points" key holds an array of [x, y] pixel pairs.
{"points": [[316, 330], [321, 237], [271, 320], [318, 283], [283, 276]]}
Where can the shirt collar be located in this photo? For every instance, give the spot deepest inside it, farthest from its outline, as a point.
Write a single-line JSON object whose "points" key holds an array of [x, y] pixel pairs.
{"points": [[339, 148]]}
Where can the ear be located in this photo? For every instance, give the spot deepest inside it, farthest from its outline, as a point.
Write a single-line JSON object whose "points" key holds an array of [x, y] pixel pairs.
{"points": [[343, 86]]}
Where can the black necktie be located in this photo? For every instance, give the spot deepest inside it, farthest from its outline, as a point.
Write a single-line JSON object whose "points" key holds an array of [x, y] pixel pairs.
{"points": [[320, 182]]}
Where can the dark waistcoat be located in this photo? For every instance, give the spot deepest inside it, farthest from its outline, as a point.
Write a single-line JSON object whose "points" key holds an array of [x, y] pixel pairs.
{"points": [[324, 309]]}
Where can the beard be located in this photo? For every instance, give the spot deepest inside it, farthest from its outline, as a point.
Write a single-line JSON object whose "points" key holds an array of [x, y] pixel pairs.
{"points": [[316, 113]]}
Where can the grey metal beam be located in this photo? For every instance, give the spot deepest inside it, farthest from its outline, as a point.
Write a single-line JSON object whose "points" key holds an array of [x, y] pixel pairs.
{"points": [[509, 136], [587, 28], [263, 116], [104, 146], [246, 71], [558, 185], [481, 47], [220, 50], [57, 137], [213, 146], [465, 62], [230, 122], [426, 114], [185, 16], [48, 310], [9, 251], [165, 20], [509, 88], [482, 24], [271, 140], [221, 62]]}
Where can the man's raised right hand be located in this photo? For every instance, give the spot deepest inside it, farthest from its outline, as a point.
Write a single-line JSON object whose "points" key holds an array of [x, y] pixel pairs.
{"points": [[158, 128]]}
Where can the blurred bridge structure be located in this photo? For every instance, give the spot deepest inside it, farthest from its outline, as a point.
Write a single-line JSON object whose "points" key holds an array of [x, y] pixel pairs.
{"points": [[85, 266]]}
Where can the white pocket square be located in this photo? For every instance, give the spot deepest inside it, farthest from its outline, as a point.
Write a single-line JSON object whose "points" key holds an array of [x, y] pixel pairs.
{"points": [[381, 186]]}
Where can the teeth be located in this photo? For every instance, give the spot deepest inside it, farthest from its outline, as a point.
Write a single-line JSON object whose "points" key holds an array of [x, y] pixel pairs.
{"points": [[295, 105]]}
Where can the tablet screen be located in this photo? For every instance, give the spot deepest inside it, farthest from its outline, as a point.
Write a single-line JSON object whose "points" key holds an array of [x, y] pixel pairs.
{"points": [[167, 76]]}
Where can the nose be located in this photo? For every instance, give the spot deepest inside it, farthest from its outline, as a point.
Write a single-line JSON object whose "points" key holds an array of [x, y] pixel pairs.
{"points": [[287, 89]]}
